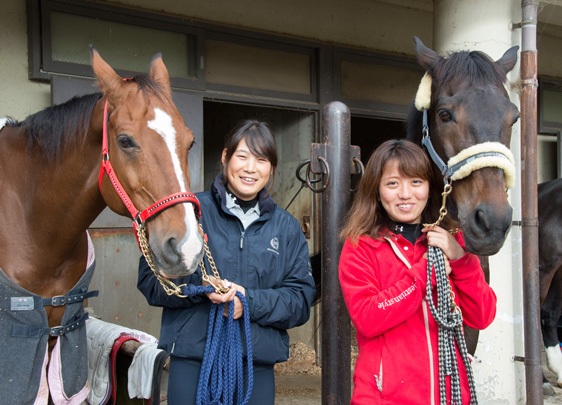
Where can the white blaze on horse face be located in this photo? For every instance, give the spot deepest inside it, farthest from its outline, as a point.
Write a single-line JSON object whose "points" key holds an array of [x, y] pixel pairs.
{"points": [[192, 244], [162, 124]]}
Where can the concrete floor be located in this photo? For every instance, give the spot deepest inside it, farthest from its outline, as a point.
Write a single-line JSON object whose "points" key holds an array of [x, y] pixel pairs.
{"points": [[298, 390], [306, 390]]}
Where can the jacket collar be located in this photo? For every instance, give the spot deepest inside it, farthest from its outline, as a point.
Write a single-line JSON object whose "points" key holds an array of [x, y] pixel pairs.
{"points": [[218, 191]]}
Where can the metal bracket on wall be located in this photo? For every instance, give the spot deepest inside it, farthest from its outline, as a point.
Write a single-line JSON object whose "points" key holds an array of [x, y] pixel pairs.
{"points": [[320, 166]]}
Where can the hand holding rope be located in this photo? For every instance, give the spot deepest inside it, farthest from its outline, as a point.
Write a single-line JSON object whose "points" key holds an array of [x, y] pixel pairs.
{"points": [[449, 320], [222, 375]]}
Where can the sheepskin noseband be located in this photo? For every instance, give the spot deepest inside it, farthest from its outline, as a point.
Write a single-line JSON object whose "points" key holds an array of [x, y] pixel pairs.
{"points": [[486, 154]]}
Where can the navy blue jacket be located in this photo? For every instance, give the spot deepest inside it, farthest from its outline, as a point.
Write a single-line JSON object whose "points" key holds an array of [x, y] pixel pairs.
{"points": [[269, 259]]}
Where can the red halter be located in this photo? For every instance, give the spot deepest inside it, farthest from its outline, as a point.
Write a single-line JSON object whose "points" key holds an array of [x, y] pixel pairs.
{"points": [[139, 218]]}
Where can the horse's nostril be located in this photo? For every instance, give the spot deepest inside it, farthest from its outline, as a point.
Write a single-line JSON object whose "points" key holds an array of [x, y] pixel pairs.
{"points": [[481, 220], [170, 252]]}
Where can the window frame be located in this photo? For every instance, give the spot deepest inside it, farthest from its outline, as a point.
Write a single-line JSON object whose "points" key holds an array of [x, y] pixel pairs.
{"points": [[359, 107], [266, 43], [42, 66]]}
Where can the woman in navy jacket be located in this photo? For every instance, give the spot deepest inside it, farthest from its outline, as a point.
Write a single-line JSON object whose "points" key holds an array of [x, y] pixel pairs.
{"points": [[260, 249]]}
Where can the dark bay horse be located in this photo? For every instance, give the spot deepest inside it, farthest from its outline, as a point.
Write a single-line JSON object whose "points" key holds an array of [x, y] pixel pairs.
{"points": [[469, 120], [126, 148], [550, 270], [467, 131]]}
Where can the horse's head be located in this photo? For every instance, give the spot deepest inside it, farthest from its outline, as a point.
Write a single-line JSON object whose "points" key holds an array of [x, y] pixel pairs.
{"points": [[469, 107], [148, 145]]}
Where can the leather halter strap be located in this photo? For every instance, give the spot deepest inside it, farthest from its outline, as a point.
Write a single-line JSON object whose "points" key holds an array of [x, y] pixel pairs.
{"points": [[139, 218], [488, 154]]}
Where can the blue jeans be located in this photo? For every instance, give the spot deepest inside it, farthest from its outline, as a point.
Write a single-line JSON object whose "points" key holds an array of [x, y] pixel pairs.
{"points": [[184, 377]]}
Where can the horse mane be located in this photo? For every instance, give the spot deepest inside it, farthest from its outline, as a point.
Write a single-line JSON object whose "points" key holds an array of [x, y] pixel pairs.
{"points": [[65, 125], [414, 124], [55, 128], [476, 67]]}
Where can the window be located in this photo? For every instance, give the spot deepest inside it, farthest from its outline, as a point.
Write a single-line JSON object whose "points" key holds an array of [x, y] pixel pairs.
{"points": [[374, 82], [550, 128], [255, 65], [127, 40]]}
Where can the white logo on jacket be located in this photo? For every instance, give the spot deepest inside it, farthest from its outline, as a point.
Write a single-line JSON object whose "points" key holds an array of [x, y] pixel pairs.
{"points": [[274, 243]]}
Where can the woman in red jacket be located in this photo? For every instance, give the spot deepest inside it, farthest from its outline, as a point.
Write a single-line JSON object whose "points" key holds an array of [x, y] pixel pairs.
{"points": [[383, 275]]}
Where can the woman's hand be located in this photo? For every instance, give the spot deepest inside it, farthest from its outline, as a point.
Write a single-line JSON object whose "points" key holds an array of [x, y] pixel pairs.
{"points": [[439, 237], [218, 298], [238, 307]]}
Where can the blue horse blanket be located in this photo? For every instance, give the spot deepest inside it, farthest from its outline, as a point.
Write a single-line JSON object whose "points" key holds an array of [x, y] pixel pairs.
{"points": [[27, 376]]}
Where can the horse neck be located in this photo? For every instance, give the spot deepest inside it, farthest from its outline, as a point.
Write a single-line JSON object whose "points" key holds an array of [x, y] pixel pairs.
{"points": [[46, 208]]}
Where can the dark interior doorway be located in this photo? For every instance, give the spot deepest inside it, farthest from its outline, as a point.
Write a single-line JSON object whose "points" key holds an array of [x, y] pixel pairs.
{"points": [[368, 133]]}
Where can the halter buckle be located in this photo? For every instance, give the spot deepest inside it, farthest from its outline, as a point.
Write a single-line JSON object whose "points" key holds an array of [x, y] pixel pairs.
{"points": [[137, 220]]}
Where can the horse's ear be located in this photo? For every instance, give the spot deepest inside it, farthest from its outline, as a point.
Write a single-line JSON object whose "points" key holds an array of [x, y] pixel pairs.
{"points": [[159, 73], [508, 60], [426, 57], [108, 80]]}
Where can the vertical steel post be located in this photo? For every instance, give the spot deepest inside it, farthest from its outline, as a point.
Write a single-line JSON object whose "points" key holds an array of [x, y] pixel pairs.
{"points": [[336, 327], [529, 205]]}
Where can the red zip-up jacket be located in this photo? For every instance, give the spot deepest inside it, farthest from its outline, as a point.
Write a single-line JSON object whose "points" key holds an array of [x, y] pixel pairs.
{"points": [[396, 333]]}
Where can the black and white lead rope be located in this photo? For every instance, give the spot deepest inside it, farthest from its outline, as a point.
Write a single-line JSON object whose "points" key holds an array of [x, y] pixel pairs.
{"points": [[449, 319]]}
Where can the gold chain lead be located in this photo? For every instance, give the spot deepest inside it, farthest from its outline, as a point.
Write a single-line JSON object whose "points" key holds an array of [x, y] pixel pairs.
{"points": [[169, 286]]}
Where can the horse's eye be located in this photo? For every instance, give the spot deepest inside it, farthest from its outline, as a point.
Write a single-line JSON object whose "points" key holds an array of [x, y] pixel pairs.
{"points": [[126, 142], [445, 115]]}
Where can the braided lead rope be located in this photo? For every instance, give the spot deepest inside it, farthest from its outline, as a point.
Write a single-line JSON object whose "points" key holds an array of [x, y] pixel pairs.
{"points": [[449, 319], [221, 380], [222, 372]]}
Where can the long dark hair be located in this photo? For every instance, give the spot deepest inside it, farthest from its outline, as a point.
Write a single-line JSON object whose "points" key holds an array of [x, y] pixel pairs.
{"points": [[367, 215]]}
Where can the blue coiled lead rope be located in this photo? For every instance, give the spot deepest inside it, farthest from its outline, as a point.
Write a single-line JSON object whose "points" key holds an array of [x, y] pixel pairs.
{"points": [[221, 380]]}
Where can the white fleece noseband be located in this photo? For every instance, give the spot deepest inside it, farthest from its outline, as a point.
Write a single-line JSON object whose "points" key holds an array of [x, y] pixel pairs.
{"points": [[486, 154]]}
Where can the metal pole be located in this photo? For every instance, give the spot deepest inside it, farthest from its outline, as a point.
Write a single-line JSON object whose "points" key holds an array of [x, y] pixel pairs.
{"points": [[336, 327], [529, 205]]}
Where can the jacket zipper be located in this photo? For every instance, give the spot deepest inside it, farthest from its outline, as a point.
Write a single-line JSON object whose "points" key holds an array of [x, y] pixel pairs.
{"points": [[174, 342], [241, 240], [378, 379]]}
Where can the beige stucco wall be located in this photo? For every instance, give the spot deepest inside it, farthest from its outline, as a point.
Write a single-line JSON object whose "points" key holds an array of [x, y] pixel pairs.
{"points": [[361, 23]]}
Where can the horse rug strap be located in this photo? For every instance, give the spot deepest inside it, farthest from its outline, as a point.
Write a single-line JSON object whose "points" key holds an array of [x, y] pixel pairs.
{"points": [[27, 376]]}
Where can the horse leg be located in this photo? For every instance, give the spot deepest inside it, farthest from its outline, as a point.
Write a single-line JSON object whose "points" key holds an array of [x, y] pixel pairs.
{"points": [[550, 315]]}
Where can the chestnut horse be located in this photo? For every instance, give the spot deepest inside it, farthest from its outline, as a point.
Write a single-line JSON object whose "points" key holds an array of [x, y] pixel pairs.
{"points": [[469, 118], [126, 148]]}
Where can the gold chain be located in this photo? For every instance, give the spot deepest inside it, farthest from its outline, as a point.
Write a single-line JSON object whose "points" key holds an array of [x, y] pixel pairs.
{"points": [[443, 210], [169, 286]]}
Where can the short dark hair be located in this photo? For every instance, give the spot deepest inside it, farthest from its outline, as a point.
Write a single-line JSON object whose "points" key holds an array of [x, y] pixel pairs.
{"points": [[260, 141]]}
